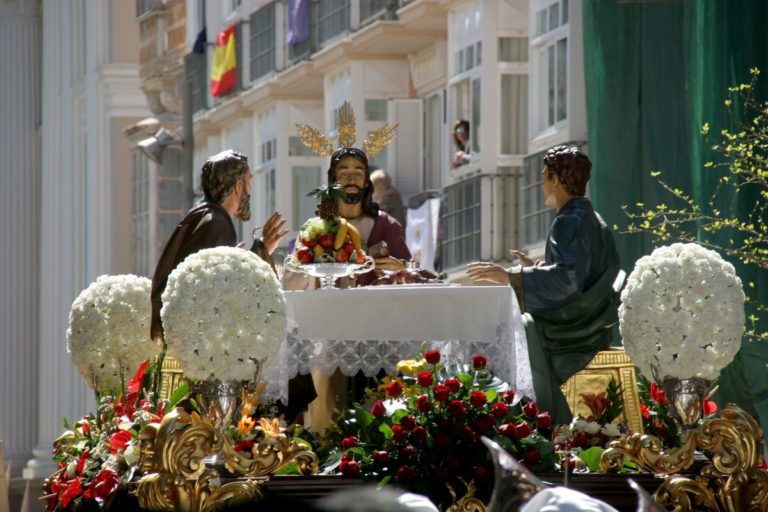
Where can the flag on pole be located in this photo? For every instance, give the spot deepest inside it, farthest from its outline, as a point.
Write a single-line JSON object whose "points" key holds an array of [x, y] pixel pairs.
{"points": [[224, 68]]}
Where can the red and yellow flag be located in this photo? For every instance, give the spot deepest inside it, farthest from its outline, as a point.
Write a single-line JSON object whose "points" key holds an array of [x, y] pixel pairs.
{"points": [[224, 68]]}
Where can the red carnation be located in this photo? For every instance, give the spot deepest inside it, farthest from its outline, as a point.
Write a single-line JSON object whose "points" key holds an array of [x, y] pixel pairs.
{"points": [[394, 389], [398, 433], [544, 420], [405, 474], [456, 409], [531, 409], [440, 392], [485, 422], [467, 434], [380, 456], [432, 356], [523, 430], [508, 430], [479, 361], [407, 451], [350, 468], [499, 409], [478, 398], [425, 379], [508, 396], [419, 434], [378, 409], [423, 404], [348, 442], [453, 385], [408, 422], [119, 441]]}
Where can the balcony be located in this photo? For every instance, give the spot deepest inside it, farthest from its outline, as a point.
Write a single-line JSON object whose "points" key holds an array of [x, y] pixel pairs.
{"points": [[460, 221]]}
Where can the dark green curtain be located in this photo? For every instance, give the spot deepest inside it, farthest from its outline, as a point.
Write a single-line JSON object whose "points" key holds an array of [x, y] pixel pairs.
{"points": [[655, 73]]}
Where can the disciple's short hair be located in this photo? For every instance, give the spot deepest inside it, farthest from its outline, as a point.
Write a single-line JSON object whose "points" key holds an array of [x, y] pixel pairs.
{"points": [[221, 172], [571, 166], [380, 177]]}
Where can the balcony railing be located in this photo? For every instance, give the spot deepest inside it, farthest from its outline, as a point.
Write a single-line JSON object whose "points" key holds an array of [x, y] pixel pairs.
{"points": [[370, 10], [460, 220], [332, 19]]}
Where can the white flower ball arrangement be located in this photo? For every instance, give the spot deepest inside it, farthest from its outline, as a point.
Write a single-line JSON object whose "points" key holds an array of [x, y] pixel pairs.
{"points": [[108, 335], [223, 312], [682, 313]]}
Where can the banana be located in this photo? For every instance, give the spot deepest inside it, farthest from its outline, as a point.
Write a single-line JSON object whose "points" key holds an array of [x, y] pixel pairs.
{"points": [[319, 251], [354, 235], [341, 234]]}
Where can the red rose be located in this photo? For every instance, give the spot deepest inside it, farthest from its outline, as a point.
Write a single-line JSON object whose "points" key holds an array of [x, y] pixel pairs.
{"points": [[478, 398], [405, 474], [453, 384], [398, 433], [532, 455], [531, 409], [456, 409], [523, 430], [467, 434], [348, 442], [485, 422], [440, 392], [394, 389], [419, 434], [479, 361], [408, 422], [378, 409], [481, 473], [579, 440], [645, 412], [709, 407], [119, 441], [423, 404], [544, 420], [380, 456], [499, 409], [432, 356], [508, 430], [350, 469], [442, 441], [452, 462], [425, 379], [508, 396], [406, 452]]}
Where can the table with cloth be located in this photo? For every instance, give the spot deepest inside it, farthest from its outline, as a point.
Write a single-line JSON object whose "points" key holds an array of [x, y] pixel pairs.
{"points": [[370, 329]]}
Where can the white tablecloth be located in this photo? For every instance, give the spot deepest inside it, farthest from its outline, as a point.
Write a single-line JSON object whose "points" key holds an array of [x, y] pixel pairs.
{"points": [[373, 328]]}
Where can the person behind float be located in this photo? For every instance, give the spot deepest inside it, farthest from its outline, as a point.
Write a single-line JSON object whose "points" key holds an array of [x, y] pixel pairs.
{"points": [[569, 301], [461, 141], [388, 197]]}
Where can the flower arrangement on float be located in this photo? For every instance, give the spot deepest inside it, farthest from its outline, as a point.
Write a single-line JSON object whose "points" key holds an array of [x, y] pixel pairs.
{"points": [[108, 334], [424, 427], [223, 314]]}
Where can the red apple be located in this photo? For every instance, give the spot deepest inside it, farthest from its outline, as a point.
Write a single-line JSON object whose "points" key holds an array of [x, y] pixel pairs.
{"points": [[326, 240], [349, 247], [305, 255], [308, 243], [342, 256]]}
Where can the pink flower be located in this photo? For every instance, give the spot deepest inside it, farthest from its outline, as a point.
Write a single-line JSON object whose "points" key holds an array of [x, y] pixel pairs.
{"points": [[432, 356]]}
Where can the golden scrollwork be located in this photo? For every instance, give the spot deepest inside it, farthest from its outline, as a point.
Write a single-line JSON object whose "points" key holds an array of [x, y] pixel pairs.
{"points": [[468, 502], [732, 482], [175, 477]]}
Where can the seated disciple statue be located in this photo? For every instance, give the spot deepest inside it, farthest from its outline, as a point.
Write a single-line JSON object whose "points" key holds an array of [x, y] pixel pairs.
{"points": [[388, 197], [568, 299]]}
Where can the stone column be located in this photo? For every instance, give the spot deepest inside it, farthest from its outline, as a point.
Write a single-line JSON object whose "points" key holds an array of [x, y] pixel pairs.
{"points": [[63, 241], [21, 39]]}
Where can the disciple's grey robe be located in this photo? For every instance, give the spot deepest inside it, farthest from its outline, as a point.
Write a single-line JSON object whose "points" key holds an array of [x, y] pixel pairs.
{"points": [[569, 301]]}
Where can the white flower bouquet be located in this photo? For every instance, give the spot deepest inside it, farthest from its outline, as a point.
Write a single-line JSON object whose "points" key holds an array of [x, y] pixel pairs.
{"points": [[682, 313], [108, 334], [223, 314]]}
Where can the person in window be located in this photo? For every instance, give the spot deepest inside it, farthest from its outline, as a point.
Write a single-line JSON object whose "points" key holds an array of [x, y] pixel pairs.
{"points": [[387, 197], [568, 299], [461, 140]]}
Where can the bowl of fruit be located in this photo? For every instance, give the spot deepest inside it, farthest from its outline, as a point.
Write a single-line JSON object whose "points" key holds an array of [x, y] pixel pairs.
{"points": [[328, 246]]}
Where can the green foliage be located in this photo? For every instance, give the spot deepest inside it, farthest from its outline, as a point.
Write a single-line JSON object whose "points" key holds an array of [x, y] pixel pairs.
{"points": [[743, 168], [615, 402]]}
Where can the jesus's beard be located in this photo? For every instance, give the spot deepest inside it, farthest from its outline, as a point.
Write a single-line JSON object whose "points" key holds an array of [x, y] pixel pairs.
{"points": [[244, 208], [353, 197]]}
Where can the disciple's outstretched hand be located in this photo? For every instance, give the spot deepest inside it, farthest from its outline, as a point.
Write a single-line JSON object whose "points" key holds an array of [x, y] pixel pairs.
{"points": [[389, 263], [488, 272], [273, 231], [525, 261]]}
